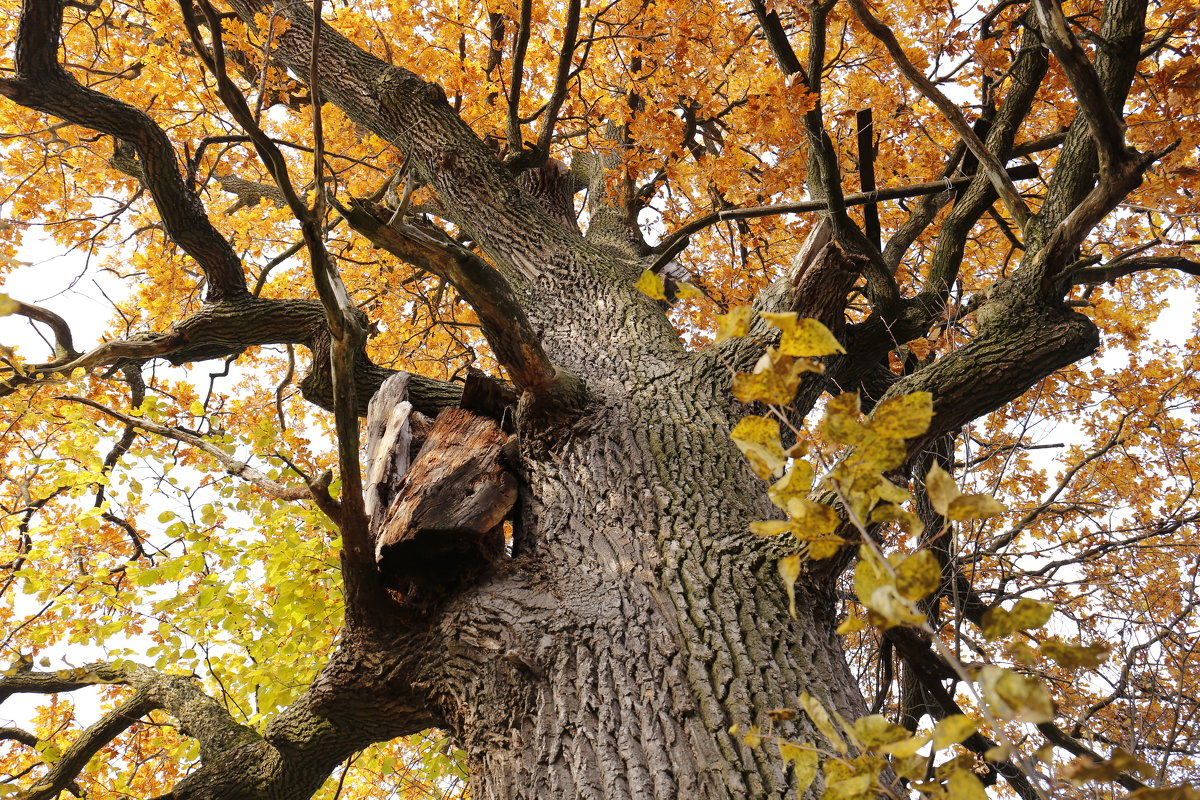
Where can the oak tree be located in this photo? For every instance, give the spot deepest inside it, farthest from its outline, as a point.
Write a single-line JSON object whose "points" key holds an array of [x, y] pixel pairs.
{"points": [[492, 285]]}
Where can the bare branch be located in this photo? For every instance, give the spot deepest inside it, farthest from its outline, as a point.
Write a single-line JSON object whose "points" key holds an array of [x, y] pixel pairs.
{"points": [[64, 343], [677, 241], [316, 490], [1092, 276]]}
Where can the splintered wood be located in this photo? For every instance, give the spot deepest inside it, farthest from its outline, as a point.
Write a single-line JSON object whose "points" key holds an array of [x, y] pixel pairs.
{"points": [[445, 519]]}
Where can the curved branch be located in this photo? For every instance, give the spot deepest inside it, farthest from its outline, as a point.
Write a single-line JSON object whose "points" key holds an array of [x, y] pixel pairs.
{"points": [[1092, 276], [229, 328], [64, 771], [44, 85], [508, 330], [64, 343], [317, 490]]}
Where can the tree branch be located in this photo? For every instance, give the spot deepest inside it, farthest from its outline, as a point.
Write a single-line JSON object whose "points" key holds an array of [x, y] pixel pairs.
{"points": [[991, 166], [561, 79], [513, 124], [42, 84], [64, 343], [229, 328], [178, 695], [507, 328], [90, 742], [1107, 127], [317, 490], [671, 246], [1092, 276]]}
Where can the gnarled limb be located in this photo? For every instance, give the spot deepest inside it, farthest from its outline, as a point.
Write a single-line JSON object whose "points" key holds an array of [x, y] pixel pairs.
{"points": [[293, 755], [504, 322], [476, 189], [43, 84], [230, 327]]}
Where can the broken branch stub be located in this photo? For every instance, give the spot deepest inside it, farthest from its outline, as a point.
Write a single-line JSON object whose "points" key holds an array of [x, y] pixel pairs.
{"points": [[444, 525]]}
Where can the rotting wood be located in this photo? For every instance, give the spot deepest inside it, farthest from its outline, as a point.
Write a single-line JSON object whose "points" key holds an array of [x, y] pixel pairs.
{"points": [[445, 522]]}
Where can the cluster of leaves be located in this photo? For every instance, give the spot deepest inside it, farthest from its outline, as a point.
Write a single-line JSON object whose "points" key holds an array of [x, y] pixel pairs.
{"points": [[860, 759]]}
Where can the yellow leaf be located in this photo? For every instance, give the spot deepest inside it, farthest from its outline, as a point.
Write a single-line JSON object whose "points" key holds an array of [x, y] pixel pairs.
{"points": [[910, 522], [686, 291], [770, 527], [952, 730], [795, 484], [804, 761], [903, 417], [887, 609], [7, 305], [821, 721], [774, 379], [940, 488], [734, 324], [808, 339], [906, 747], [919, 575], [789, 571], [825, 547], [651, 285], [851, 625], [841, 423], [811, 520], [876, 730], [963, 785], [758, 439], [1024, 615], [752, 737], [851, 780], [1015, 697], [912, 767], [1072, 656], [974, 506]]}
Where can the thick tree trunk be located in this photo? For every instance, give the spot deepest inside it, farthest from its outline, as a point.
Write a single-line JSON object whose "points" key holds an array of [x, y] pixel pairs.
{"points": [[637, 621]]}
